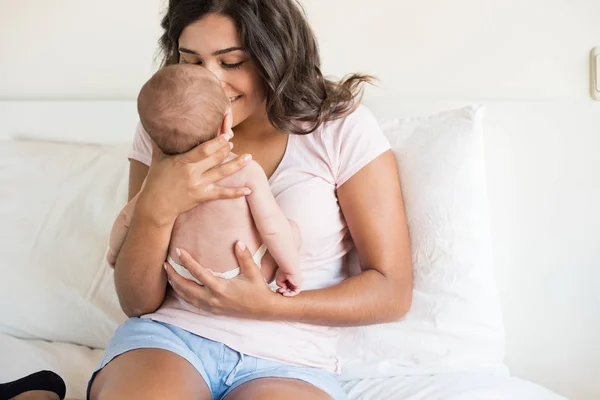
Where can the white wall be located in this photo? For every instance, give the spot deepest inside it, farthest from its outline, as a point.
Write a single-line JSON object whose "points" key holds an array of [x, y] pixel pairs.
{"points": [[468, 49], [528, 59], [77, 49]]}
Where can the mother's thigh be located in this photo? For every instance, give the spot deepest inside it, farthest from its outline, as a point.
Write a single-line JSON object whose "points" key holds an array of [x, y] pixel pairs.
{"points": [[36, 395], [277, 389], [149, 374]]}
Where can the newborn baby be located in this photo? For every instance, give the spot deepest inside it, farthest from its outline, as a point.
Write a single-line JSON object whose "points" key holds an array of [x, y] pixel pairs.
{"points": [[180, 107]]}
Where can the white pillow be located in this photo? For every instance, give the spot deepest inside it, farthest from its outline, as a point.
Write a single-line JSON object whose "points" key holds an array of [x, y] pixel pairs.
{"points": [[57, 207], [59, 201], [455, 321]]}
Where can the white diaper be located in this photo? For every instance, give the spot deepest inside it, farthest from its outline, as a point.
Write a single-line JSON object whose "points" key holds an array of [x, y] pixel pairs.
{"points": [[181, 270]]}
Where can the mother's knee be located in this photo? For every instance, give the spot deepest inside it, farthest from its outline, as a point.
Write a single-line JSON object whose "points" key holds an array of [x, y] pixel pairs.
{"points": [[277, 389], [146, 390], [36, 395], [148, 374]]}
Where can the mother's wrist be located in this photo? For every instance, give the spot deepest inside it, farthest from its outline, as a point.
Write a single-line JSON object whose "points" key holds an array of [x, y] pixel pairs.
{"points": [[154, 215], [277, 308]]}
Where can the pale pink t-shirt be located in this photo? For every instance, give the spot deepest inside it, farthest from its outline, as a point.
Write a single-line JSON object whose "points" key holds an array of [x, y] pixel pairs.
{"points": [[304, 184]]}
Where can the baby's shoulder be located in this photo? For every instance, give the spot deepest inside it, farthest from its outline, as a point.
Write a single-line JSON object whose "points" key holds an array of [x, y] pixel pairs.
{"points": [[253, 169], [250, 173]]}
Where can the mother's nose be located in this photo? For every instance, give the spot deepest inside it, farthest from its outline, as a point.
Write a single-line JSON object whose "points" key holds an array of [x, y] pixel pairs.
{"points": [[218, 72]]}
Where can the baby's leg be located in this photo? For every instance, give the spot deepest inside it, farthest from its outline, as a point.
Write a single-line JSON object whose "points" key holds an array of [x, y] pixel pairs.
{"points": [[296, 233], [268, 267], [290, 284], [117, 237], [268, 264]]}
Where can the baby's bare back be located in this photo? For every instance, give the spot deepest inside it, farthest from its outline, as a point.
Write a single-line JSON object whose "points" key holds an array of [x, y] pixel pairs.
{"points": [[210, 230]]}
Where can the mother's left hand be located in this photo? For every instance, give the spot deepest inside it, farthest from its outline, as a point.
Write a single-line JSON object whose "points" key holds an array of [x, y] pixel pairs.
{"points": [[246, 296]]}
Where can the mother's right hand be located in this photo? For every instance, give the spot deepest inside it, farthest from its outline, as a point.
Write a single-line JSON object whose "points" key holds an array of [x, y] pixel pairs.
{"points": [[176, 184]]}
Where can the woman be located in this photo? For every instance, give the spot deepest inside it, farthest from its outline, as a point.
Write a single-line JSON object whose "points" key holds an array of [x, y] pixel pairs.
{"points": [[331, 171]]}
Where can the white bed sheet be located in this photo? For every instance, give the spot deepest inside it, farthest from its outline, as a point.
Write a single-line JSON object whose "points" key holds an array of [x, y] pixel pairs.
{"points": [[19, 357], [455, 386]]}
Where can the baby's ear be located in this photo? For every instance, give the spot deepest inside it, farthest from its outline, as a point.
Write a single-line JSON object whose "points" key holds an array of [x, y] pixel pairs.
{"points": [[227, 121]]}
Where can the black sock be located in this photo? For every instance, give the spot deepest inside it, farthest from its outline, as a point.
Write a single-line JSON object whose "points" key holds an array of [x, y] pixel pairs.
{"points": [[41, 380]]}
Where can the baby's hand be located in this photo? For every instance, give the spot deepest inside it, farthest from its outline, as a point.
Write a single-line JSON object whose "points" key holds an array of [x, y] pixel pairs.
{"points": [[289, 284]]}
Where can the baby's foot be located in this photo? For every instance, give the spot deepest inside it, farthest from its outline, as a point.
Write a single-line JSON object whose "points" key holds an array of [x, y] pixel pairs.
{"points": [[111, 258], [289, 284]]}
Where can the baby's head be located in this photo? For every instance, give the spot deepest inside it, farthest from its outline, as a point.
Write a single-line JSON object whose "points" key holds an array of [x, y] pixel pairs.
{"points": [[182, 106]]}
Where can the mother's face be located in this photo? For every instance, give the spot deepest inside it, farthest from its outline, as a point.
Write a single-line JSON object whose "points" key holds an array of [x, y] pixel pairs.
{"points": [[214, 43]]}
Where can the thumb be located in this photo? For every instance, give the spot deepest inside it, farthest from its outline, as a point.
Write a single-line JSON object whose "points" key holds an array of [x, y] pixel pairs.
{"points": [[247, 265]]}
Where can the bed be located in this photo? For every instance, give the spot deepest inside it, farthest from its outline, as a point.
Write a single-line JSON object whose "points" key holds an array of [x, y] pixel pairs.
{"points": [[59, 306]]}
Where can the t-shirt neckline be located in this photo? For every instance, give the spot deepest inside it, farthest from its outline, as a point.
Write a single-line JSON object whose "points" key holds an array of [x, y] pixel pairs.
{"points": [[286, 155]]}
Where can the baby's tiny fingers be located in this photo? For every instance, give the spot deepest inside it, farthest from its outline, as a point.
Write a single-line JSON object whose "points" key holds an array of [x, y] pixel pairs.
{"points": [[290, 293]]}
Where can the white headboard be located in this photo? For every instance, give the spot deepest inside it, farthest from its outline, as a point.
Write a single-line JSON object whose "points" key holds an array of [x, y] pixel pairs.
{"points": [[70, 121], [543, 169]]}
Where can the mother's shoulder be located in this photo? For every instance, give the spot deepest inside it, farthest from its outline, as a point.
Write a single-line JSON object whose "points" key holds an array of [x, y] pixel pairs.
{"points": [[361, 117], [359, 121]]}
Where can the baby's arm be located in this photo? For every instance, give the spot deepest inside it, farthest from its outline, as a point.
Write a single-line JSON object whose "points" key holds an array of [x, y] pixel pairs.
{"points": [[119, 231], [273, 226]]}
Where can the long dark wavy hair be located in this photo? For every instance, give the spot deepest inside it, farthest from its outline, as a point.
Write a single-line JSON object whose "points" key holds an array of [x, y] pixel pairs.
{"points": [[276, 35]]}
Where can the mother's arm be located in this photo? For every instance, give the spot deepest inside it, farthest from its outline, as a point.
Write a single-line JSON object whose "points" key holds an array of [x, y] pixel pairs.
{"points": [[372, 204], [173, 185], [137, 174]]}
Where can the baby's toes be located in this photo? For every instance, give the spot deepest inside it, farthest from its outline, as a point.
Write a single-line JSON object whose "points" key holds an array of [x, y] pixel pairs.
{"points": [[290, 293]]}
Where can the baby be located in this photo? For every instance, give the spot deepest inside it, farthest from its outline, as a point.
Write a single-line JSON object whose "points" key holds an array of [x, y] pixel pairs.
{"points": [[180, 107]]}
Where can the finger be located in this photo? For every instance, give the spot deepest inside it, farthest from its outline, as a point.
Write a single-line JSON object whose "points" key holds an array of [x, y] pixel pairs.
{"points": [[219, 144], [224, 170], [188, 290], [281, 283], [219, 193], [290, 293], [293, 284], [227, 122], [205, 167], [197, 271], [209, 161], [247, 265]]}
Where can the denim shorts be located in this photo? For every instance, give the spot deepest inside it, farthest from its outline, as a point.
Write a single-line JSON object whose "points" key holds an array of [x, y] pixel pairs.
{"points": [[222, 368]]}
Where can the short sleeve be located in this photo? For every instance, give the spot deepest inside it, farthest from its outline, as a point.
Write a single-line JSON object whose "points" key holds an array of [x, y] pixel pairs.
{"points": [[353, 142], [142, 146]]}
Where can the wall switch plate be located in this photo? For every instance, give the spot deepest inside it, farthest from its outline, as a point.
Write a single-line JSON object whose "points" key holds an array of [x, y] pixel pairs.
{"points": [[595, 73]]}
